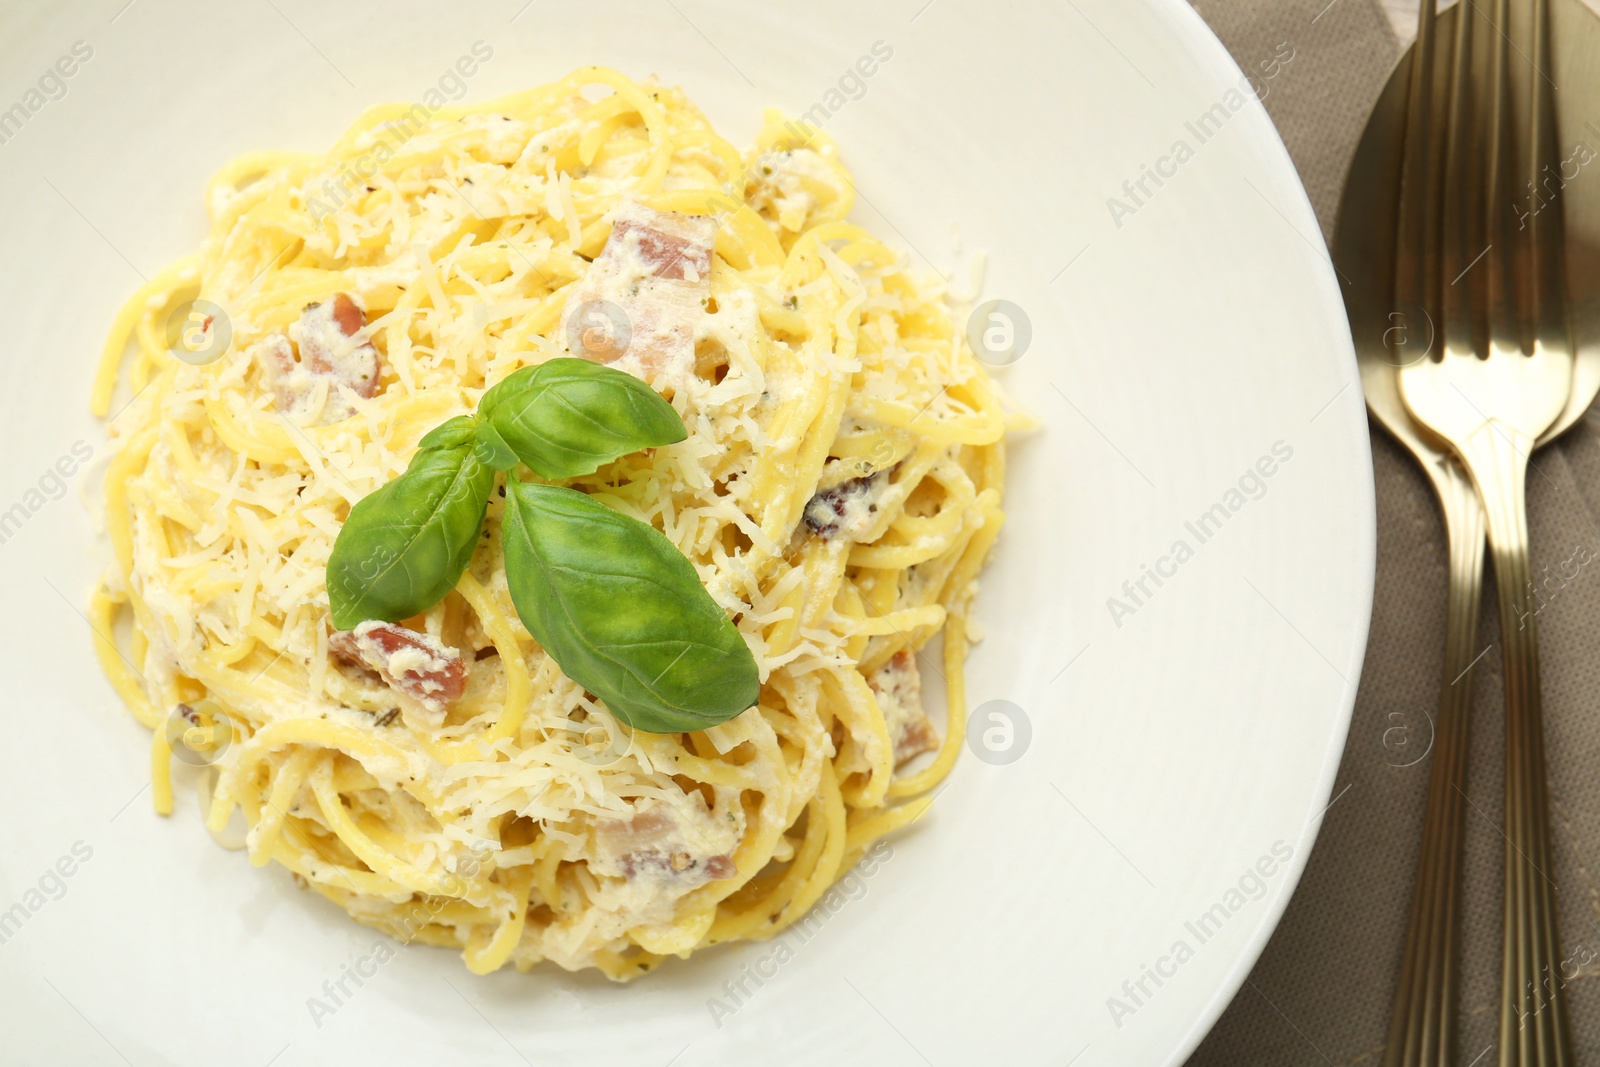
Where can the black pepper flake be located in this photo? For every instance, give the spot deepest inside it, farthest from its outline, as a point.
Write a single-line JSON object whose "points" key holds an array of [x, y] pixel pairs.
{"points": [[826, 510]]}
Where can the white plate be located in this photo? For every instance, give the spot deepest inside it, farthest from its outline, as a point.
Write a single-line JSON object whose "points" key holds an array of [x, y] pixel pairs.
{"points": [[1168, 755]]}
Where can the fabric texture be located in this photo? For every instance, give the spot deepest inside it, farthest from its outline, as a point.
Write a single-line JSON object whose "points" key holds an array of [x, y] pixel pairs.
{"points": [[1321, 992]]}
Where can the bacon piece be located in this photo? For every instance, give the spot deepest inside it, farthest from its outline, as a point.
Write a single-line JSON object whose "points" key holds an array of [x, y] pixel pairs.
{"points": [[673, 246], [848, 509], [659, 843], [323, 349], [326, 348], [898, 687], [349, 317], [417, 665], [276, 356], [644, 293]]}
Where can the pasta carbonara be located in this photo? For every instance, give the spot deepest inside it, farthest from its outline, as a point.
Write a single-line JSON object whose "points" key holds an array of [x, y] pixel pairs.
{"points": [[439, 778]]}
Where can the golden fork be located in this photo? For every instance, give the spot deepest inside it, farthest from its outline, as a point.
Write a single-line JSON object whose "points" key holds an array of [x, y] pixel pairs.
{"points": [[1399, 143], [1504, 379]]}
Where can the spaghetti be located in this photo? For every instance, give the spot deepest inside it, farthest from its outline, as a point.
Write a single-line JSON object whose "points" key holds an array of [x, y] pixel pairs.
{"points": [[838, 492]]}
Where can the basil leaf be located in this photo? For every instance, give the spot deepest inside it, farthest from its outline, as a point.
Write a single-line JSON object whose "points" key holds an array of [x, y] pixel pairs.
{"points": [[569, 417], [452, 433], [405, 545], [492, 448], [623, 612]]}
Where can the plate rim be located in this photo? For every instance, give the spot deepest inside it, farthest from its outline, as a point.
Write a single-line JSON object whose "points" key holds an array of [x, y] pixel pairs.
{"points": [[1210, 49]]}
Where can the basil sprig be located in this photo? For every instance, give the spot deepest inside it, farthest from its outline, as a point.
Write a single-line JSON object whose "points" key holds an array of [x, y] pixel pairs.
{"points": [[623, 612], [615, 603], [569, 417], [405, 545]]}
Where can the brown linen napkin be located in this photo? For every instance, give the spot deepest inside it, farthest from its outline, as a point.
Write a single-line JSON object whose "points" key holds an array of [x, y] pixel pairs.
{"points": [[1320, 994]]}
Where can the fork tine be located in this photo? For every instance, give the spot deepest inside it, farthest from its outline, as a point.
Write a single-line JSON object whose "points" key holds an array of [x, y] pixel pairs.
{"points": [[1461, 234], [1413, 252], [1500, 283], [1546, 239]]}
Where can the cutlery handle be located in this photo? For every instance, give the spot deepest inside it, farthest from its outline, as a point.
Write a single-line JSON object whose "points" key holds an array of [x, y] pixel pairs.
{"points": [[1422, 1028], [1533, 1016]]}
